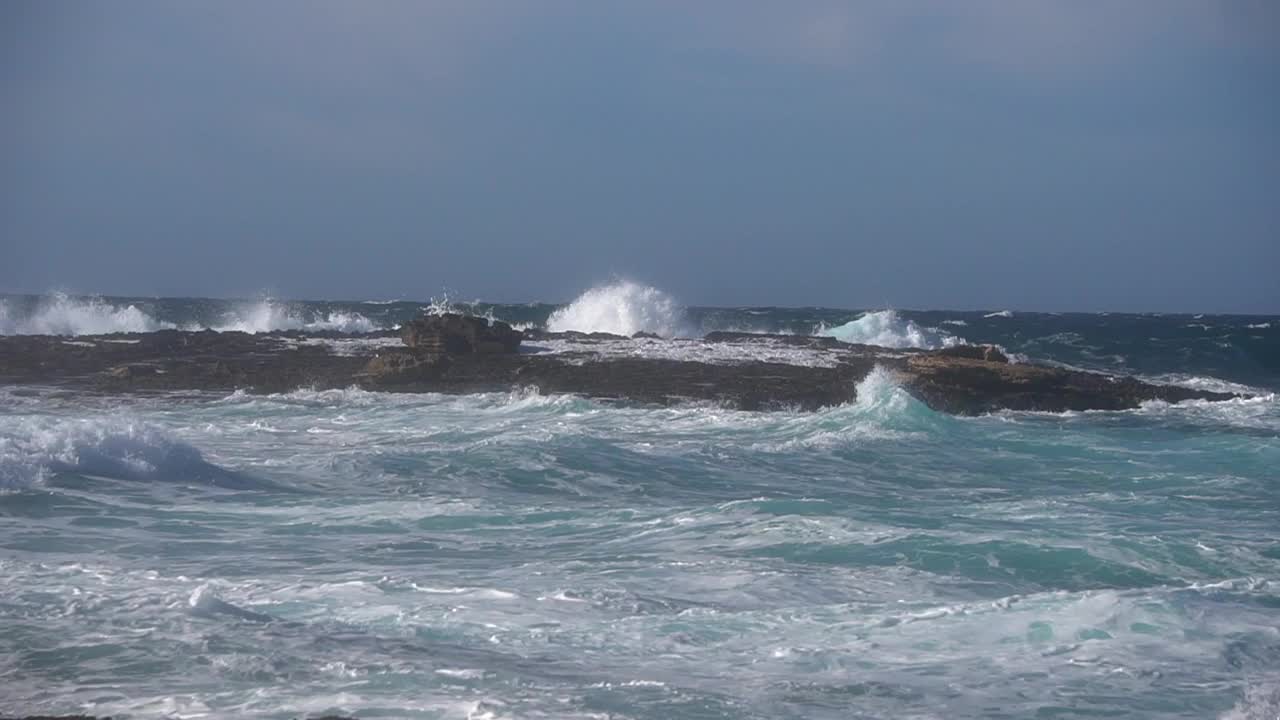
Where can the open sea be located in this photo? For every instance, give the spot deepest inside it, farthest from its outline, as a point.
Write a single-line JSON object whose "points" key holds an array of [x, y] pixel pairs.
{"points": [[516, 555]]}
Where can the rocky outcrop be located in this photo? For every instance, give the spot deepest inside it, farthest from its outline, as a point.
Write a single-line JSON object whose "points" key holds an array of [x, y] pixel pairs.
{"points": [[453, 354], [455, 334]]}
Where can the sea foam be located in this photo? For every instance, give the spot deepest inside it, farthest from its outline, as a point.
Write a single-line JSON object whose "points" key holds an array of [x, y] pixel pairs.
{"points": [[886, 329], [622, 308]]}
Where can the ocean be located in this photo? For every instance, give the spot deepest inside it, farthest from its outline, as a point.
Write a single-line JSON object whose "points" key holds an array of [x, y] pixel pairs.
{"points": [[515, 555]]}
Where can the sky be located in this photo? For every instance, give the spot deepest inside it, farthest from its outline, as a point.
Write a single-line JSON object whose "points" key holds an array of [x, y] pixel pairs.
{"points": [[1038, 155]]}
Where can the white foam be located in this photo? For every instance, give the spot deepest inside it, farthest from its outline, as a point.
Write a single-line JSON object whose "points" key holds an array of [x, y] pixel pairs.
{"points": [[999, 314], [1259, 326], [62, 314], [622, 308], [269, 314], [1261, 701], [716, 353], [115, 446], [886, 329], [32, 447], [1210, 384]]}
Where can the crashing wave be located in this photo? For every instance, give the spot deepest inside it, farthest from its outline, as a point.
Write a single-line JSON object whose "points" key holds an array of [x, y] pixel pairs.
{"points": [[999, 314], [268, 315], [621, 308], [886, 329], [62, 314]]}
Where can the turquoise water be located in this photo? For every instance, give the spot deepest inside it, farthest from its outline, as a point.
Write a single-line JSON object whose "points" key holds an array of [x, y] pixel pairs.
{"points": [[524, 556]]}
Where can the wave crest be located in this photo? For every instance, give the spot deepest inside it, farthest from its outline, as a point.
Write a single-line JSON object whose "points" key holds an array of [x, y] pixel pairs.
{"points": [[32, 449], [621, 308], [886, 329]]}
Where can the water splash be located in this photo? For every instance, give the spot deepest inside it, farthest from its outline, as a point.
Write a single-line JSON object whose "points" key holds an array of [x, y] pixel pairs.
{"points": [[268, 314], [622, 308], [886, 329], [63, 314]]}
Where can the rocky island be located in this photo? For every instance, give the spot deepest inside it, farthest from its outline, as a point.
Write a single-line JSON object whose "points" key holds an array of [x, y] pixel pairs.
{"points": [[453, 353]]}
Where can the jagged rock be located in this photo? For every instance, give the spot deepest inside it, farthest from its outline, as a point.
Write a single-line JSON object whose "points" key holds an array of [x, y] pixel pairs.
{"points": [[455, 334]]}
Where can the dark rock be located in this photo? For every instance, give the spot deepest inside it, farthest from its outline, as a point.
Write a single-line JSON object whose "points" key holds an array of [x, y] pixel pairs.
{"points": [[989, 353], [455, 334], [963, 383], [129, 372], [646, 336], [398, 367]]}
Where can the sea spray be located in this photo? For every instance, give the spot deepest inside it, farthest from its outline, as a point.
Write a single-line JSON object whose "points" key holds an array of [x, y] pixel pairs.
{"points": [[63, 314], [886, 329], [269, 314], [623, 307]]}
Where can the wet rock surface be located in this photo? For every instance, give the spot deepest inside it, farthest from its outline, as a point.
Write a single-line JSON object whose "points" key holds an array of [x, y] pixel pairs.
{"points": [[456, 354]]}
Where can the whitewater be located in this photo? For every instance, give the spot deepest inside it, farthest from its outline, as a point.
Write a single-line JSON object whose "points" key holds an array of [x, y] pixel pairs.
{"points": [[515, 555]]}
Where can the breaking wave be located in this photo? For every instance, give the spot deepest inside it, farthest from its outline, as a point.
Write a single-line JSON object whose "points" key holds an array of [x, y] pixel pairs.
{"points": [[622, 308], [33, 449], [268, 315], [62, 314], [886, 329]]}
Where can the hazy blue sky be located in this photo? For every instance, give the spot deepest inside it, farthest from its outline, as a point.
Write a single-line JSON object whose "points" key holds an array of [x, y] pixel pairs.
{"points": [[1072, 154]]}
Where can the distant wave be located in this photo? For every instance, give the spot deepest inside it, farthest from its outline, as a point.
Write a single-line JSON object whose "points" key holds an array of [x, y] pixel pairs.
{"points": [[622, 308], [62, 314], [886, 329], [268, 315], [31, 449], [999, 314]]}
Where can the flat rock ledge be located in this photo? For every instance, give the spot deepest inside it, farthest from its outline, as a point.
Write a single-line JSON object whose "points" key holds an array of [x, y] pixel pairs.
{"points": [[460, 354]]}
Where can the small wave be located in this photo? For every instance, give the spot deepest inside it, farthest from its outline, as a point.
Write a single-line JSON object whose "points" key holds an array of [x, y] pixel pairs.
{"points": [[31, 450], [959, 323], [886, 329], [268, 315], [622, 308], [882, 410], [62, 314], [1210, 384], [999, 314], [1261, 701], [1259, 326]]}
